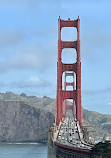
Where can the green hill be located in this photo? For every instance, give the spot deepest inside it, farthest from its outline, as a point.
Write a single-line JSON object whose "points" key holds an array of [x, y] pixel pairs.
{"points": [[100, 122]]}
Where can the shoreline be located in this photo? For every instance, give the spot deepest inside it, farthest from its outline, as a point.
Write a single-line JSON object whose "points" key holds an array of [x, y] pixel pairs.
{"points": [[22, 143]]}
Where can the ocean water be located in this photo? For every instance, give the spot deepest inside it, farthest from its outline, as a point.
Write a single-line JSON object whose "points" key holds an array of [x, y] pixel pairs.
{"points": [[23, 151]]}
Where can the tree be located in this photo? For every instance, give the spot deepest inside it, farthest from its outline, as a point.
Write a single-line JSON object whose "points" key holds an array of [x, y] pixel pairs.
{"points": [[101, 150]]}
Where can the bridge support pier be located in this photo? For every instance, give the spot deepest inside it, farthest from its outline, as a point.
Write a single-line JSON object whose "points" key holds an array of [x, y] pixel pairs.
{"points": [[61, 153], [51, 148]]}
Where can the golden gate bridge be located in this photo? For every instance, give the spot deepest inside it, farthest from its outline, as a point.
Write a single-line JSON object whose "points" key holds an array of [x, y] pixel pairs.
{"points": [[68, 137]]}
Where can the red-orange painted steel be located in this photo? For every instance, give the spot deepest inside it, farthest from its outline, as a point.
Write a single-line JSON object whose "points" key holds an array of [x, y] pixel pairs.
{"points": [[69, 107], [73, 69]]}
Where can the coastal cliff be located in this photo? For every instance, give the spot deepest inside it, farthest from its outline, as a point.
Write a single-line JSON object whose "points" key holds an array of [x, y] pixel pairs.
{"points": [[28, 118], [20, 122]]}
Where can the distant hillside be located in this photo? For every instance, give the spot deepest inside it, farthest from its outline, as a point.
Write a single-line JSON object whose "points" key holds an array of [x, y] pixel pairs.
{"points": [[101, 123]]}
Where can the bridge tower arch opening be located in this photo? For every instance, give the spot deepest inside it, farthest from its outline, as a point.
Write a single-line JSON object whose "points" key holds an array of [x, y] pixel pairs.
{"points": [[69, 55]]}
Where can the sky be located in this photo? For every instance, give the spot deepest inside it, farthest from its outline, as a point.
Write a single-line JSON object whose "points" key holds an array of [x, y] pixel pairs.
{"points": [[28, 48]]}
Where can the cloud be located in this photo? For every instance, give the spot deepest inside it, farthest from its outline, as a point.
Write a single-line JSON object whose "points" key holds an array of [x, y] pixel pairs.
{"points": [[32, 5], [19, 4], [10, 38], [97, 92], [30, 57], [2, 84], [109, 103], [95, 40], [32, 82]]}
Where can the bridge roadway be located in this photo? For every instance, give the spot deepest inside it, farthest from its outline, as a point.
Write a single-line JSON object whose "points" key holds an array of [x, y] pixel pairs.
{"points": [[67, 140], [70, 134]]}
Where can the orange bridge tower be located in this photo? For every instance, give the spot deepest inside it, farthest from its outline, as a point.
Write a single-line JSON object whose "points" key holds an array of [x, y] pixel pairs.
{"points": [[74, 70]]}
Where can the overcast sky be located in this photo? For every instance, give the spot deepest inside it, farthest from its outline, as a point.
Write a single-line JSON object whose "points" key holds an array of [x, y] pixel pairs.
{"points": [[28, 47]]}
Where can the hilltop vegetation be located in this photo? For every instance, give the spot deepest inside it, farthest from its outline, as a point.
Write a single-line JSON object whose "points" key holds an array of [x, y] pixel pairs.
{"points": [[101, 150], [101, 122]]}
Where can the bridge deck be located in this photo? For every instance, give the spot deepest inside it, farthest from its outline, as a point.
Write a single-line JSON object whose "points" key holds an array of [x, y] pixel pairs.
{"points": [[70, 134]]}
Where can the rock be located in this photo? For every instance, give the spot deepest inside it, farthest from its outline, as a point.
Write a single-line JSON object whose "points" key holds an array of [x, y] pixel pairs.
{"points": [[20, 122]]}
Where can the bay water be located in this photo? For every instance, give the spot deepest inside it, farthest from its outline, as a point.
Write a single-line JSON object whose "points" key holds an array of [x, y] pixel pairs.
{"points": [[23, 150]]}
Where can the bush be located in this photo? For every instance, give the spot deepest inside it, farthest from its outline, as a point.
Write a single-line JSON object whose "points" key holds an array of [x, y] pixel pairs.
{"points": [[101, 150]]}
